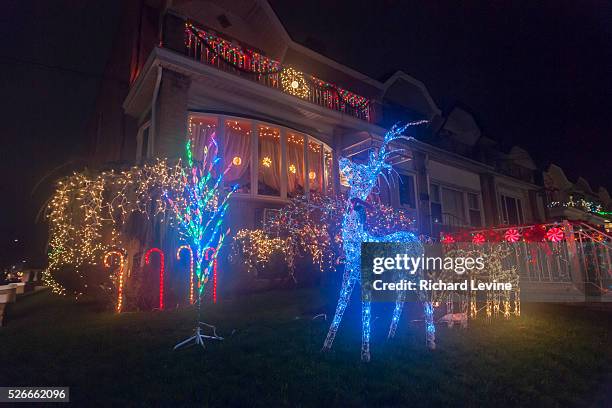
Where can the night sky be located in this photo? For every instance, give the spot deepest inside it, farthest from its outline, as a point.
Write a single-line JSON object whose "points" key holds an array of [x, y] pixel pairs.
{"points": [[535, 74]]}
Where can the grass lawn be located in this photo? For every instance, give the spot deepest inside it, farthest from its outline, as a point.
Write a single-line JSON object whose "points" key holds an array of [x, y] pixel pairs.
{"points": [[551, 356]]}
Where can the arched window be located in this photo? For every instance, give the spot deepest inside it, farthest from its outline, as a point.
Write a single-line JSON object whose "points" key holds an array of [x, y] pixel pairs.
{"points": [[265, 160]]}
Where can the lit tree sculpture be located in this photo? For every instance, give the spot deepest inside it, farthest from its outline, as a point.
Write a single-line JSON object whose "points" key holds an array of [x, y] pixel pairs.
{"points": [[362, 179], [199, 211]]}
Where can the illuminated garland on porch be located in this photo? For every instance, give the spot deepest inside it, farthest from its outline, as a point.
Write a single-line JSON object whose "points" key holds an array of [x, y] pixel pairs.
{"points": [[293, 82]]}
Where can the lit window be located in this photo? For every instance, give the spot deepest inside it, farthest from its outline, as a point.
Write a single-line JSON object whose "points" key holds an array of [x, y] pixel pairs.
{"points": [[329, 177], [237, 151], [295, 164], [269, 153], [201, 130], [315, 166]]}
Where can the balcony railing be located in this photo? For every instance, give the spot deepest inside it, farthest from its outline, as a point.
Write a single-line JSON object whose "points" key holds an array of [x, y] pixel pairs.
{"points": [[208, 47]]}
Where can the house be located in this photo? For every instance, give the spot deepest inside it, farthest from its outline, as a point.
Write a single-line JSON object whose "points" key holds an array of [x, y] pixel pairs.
{"points": [[576, 200], [283, 114], [197, 67]]}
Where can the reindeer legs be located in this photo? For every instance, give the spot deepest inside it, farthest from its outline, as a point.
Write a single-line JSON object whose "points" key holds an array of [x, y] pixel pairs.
{"points": [[430, 328], [397, 313], [345, 296], [365, 327]]}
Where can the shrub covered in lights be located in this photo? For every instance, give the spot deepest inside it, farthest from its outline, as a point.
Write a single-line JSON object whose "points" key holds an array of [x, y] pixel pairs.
{"points": [[310, 228], [90, 214]]}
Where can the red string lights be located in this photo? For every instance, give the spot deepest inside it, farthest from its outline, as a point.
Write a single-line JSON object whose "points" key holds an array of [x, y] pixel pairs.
{"points": [[178, 256], [161, 273], [210, 252]]}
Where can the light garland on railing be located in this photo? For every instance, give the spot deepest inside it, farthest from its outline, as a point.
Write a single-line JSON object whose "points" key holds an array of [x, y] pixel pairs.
{"points": [[293, 82]]}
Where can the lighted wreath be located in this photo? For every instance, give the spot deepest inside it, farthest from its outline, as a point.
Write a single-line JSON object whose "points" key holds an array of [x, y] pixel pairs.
{"points": [[294, 83]]}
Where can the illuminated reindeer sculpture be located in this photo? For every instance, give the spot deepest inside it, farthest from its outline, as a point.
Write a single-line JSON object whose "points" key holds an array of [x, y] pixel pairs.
{"points": [[362, 179]]}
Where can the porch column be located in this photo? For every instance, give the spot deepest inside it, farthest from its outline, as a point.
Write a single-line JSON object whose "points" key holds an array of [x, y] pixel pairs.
{"points": [[422, 193], [489, 199], [171, 117]]}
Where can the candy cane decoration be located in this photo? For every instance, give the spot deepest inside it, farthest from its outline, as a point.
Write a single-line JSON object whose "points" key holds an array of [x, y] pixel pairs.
{"points": [[107, 264], [209, 253], [178, 256], [161, 273]]}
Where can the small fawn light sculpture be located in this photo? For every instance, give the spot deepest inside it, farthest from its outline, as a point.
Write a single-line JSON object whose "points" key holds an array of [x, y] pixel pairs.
{"points": [[362, 178]]}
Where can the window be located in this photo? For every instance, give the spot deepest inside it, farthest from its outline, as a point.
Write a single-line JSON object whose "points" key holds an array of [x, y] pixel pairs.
{"points": [[453, 206], [329, 177], [269, 156], [315, 166], [237, 151], [142, 142], [295, 164], [201, 131], [406, 191], [474, 210], [448, 206], [436, 205], [511, 210], [254, 151]]}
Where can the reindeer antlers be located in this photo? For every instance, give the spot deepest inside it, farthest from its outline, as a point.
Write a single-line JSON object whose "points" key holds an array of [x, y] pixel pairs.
{"points": [[395, 133]]}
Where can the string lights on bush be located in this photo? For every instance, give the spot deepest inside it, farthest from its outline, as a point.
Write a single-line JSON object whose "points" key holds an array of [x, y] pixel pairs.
{"points": [[89, 215]]}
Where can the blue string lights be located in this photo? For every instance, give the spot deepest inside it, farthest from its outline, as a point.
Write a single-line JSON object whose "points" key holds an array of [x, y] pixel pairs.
{"points": [[362, 178]]}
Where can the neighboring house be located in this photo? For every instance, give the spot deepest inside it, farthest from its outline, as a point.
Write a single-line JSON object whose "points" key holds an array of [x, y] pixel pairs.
{"points": [[575, 201]]}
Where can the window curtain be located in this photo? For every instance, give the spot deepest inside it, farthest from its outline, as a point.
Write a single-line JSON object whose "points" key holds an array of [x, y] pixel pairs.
{"points": [[329, 185], [200, 136], [295, 164], [237, 153], [452, 203], [269, 162], [315, 170]]}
